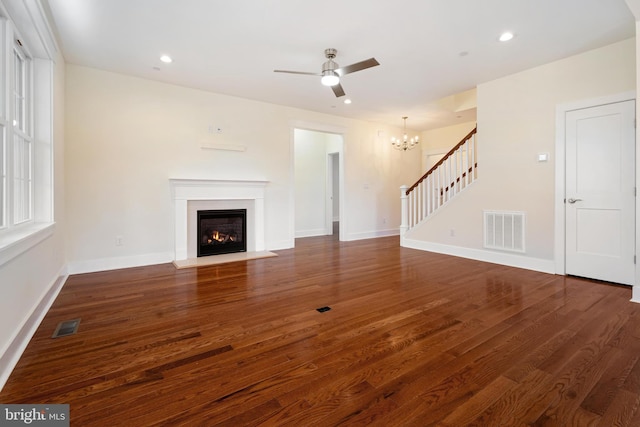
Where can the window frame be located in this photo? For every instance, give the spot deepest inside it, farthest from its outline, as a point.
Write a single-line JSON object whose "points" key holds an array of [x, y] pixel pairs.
{"points": [[3, 176], [19, 201], [4, 122], [17, 159], [39, 49]]}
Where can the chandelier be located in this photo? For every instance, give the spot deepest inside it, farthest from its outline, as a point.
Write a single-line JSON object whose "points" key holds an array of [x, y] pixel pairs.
{"points": [[404, 143]]}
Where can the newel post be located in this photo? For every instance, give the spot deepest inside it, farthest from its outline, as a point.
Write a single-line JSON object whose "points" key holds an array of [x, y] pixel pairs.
{"points": [[404, 210]]}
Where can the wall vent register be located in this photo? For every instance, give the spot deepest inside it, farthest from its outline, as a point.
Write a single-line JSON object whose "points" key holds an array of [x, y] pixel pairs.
{"points": [[68, 327], [504, 231]]}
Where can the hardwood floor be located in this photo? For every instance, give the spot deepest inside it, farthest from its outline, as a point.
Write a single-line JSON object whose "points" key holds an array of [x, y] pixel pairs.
{"points": [[412, 338]]}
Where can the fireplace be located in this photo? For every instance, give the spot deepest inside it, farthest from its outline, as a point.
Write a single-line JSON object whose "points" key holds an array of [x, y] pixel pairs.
{"points": [[192, 195], [221, 231]]}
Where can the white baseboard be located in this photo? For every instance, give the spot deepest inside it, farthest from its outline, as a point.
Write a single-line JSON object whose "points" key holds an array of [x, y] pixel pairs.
{"points": [[635, 294], [116, 263], [519, 261], [281, 245], [18, 344], [373, 234], [311, 233]]}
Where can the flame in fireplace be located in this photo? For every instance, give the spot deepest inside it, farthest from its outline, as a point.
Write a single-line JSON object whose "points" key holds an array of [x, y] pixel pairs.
{"points": [[219, 237]]}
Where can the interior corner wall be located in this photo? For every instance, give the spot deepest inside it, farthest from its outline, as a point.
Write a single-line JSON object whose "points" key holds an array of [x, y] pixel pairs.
{"points": [[126, 136], [516, 121]]}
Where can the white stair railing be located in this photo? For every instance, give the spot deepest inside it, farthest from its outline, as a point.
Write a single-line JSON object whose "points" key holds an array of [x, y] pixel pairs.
{"points": [[452, 174]]}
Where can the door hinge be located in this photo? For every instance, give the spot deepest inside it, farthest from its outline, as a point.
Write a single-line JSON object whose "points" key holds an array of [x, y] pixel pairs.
{"points": [[634, 259]]}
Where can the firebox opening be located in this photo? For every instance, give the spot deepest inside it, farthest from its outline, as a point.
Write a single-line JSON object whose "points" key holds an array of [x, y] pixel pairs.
{"points": [[222, 231]]}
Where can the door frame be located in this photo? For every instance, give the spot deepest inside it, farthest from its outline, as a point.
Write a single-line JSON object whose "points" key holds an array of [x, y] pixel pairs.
{"points": [[560, 171], [333, 161], [324, 128]]}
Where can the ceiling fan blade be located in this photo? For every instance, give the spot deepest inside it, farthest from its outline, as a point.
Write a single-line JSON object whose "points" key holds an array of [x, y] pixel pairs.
{"points": [[297, 72], [337, 89], [362, 65]]}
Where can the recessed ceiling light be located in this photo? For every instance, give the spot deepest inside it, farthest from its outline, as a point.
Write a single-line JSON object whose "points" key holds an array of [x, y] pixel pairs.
{"points": [[506, 36], [347, 101], [166, 59]]}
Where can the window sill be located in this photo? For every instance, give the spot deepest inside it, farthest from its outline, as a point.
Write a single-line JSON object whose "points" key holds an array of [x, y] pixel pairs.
{"points": [[15, 242]]}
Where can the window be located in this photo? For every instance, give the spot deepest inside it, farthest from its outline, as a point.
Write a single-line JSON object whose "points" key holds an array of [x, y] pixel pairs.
{"points": [[19, 88], [27, 54], [16, 153], [20, 195], [3, 177], [3, 126]]}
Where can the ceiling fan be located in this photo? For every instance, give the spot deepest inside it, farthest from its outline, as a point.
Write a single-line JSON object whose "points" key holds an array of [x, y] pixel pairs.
{"points": [[331, 71]]}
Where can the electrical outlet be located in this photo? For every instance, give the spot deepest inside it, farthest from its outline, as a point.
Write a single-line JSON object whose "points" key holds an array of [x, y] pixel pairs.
{"points": [[452, 233], [119, 240], [384, 220]]}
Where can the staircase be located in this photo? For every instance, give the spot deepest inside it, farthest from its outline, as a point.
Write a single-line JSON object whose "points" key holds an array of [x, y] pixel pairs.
{"points": [[452, 174]]}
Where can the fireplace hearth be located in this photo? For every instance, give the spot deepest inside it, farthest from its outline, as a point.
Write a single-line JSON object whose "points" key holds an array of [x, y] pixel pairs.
{"points": [[221, 231]]}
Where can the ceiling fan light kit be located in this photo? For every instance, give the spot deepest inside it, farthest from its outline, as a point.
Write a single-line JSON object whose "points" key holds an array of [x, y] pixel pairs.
{"points": [[329, 78], [331, 71]]}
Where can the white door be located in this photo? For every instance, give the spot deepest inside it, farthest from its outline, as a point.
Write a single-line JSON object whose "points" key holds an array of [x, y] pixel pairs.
{"points": [[600, 192]]}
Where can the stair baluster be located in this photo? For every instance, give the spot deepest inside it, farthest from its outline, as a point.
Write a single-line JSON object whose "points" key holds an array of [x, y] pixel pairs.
{"points": [[449, 176]]}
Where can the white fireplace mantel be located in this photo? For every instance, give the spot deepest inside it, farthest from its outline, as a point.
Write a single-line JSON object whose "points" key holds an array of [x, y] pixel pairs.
{"points": [[184, 191]]}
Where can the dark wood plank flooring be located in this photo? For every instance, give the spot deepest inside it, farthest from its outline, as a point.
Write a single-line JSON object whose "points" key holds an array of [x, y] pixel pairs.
{"points": [[412, 338]]}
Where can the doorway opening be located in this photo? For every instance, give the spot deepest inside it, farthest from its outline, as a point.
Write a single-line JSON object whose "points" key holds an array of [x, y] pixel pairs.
{"points": [[318, 186]]}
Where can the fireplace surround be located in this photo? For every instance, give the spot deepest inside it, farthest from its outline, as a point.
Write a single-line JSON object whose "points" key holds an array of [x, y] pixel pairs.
{"points": [[191, 195]]}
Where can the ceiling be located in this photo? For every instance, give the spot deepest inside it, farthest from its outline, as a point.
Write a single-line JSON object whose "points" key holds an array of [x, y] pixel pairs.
{"points": [[428, 49]]}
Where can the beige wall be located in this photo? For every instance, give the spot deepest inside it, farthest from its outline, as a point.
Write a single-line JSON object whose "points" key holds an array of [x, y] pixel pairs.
{"points": [[437, 142], [127, 136], [310, 183], [516, 121]]}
